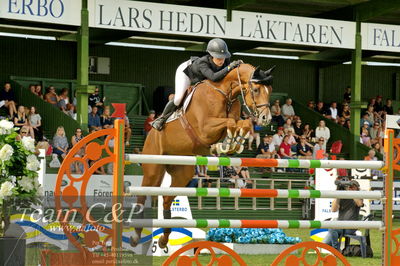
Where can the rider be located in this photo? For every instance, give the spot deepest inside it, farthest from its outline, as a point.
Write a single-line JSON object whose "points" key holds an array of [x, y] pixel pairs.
{"points": [[214, 66]]}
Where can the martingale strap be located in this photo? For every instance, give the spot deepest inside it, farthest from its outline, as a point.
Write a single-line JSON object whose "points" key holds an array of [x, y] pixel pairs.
{"points": [[198, 143]]}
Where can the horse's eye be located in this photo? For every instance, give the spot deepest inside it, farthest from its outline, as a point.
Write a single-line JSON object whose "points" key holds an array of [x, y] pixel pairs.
{"points": [[256, 90]]}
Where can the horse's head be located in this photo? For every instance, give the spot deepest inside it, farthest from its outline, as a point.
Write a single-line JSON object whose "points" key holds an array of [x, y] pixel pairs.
{"points": [[256, 92]]}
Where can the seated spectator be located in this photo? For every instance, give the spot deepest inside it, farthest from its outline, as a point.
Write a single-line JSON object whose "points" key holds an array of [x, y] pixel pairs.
{"points": [[60, 142], [276, 113], [35, 121], [278, 137], [21, 120], [323, 132], [308, 132], [292, 141], [304, 149], [334, 111], [285, 149], [7, 99], [320, 146], [378, 106], [347, 95], [94, 120], [346, 112], [106, 120], [322, 110], [147, 124], [266, 149], [298, 129], [370, 115], [288, 126], [23, 132], [377, 147], [71, 111], [311, 105], [32, 89], [287, 109], [244, 174], [128, 130], [51, 96], [388, 108], [365, 139], [254, 135], [63, 100], [38, 91], [347, 124], [96, 101], [74, 140], [99, 171], [371, 157], [341, 121], [230, 173]]}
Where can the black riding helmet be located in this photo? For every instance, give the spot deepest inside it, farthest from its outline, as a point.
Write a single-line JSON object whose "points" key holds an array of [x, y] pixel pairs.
{"points": [[217, 48]]}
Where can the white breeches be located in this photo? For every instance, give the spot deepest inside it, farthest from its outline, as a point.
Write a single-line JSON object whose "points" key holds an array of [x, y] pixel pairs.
{"points": [[182, 82]]}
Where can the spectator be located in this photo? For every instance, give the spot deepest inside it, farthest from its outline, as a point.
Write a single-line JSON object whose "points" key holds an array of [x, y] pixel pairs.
{"points": [[23, 132], [71, 111], [346, 111], [334, 111], [51, 96], [304, 149], [377, 147], [38, 90], [374, 133], [94, 120], [322, 110], [149, 120], [378, 106], [278, 137], [288, 126], [96, 101], [99, 170], [347, 124], [284, 148], [63, 100], [311, 105], [35, 121], [388, 108], [347, 95], [287, 109], [230, 173], [21, 120], [308, 132], [201, 172], [7, 99], [320, 146], [128, 130], [323, 132], [371, 157], [341, 121], [276, 113], [266, 149], [370, 115], [349, 209], [292, 141], [106, 119], [60, 142], [365, 139], [244, 174], [74, 140], [298, 129], [365, 121], [32, 89]]}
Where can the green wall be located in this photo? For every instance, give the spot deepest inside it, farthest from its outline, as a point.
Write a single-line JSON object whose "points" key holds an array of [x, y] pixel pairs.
{"points": [[153, 68]]}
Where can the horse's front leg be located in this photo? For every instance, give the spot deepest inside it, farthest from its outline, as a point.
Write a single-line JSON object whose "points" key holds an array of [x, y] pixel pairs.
{"points": [[242, 133], [213, 129]]}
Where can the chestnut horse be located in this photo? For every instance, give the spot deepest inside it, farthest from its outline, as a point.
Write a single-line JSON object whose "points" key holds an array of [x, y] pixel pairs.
{"points": [[213, 114]]}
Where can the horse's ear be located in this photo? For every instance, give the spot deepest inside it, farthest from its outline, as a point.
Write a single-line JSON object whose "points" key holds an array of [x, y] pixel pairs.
{"points": [[257, 75], [269, 71]]}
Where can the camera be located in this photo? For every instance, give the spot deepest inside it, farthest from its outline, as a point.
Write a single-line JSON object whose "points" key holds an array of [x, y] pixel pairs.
{"points": [[344, 182]]}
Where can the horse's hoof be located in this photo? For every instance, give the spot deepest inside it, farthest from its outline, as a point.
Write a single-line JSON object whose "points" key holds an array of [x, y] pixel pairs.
{"points": [[134, 240], [162, 242], [241, 148]]}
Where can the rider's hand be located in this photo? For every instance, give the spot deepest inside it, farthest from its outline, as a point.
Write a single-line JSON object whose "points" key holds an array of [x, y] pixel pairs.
{"points": [[235, 64]]}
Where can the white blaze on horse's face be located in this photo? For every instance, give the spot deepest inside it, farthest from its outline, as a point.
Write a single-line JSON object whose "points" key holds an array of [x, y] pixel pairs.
{"points": [[260, 97]]}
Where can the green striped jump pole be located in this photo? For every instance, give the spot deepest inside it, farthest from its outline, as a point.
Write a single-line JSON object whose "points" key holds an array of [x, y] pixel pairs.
{"points": [[251, 162], [283, 224], [248, 193]]}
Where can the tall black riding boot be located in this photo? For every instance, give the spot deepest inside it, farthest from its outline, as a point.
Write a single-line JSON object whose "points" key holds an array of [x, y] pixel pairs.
{"points": [[168, 111]]}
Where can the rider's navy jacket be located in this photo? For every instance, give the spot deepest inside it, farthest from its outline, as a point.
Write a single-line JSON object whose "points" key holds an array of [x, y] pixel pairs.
{"points": [[204, 68]]}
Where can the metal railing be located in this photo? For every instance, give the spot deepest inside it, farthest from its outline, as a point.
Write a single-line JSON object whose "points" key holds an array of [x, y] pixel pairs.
{"points": [[256, 203]]}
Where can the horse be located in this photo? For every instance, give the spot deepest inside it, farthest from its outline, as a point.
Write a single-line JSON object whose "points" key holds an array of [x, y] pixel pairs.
{"points": [[212, 115]]}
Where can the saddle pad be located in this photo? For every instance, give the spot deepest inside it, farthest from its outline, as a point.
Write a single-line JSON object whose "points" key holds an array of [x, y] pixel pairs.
{"points": [[179, 111]]}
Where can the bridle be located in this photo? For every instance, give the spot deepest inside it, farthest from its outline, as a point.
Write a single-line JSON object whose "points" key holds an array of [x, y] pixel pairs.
{"points": [[243, 91]]}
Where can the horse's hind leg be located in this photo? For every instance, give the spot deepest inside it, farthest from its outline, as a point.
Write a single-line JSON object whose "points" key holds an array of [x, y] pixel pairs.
{"points": [[153, 175], [181, 175]]}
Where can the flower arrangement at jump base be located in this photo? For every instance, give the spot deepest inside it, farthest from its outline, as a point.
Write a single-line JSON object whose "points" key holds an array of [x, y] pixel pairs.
{"points": [[19, 185], [250, 236]]}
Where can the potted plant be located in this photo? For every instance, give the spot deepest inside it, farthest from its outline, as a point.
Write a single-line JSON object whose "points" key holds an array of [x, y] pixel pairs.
{"points": [[19, 187]]}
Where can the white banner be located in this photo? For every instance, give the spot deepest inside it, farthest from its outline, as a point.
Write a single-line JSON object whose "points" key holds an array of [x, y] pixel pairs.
{"points": [[393, 121], [65, 12], [207, 22], [325, 180], [380, 37]]}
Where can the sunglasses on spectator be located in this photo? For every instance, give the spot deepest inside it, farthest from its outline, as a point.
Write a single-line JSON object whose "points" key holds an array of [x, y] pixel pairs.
{"points": [[24, 132], [321, 140]]}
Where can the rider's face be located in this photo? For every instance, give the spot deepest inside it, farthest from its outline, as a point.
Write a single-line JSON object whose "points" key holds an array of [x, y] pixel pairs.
{"points": [[218, 61]]}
